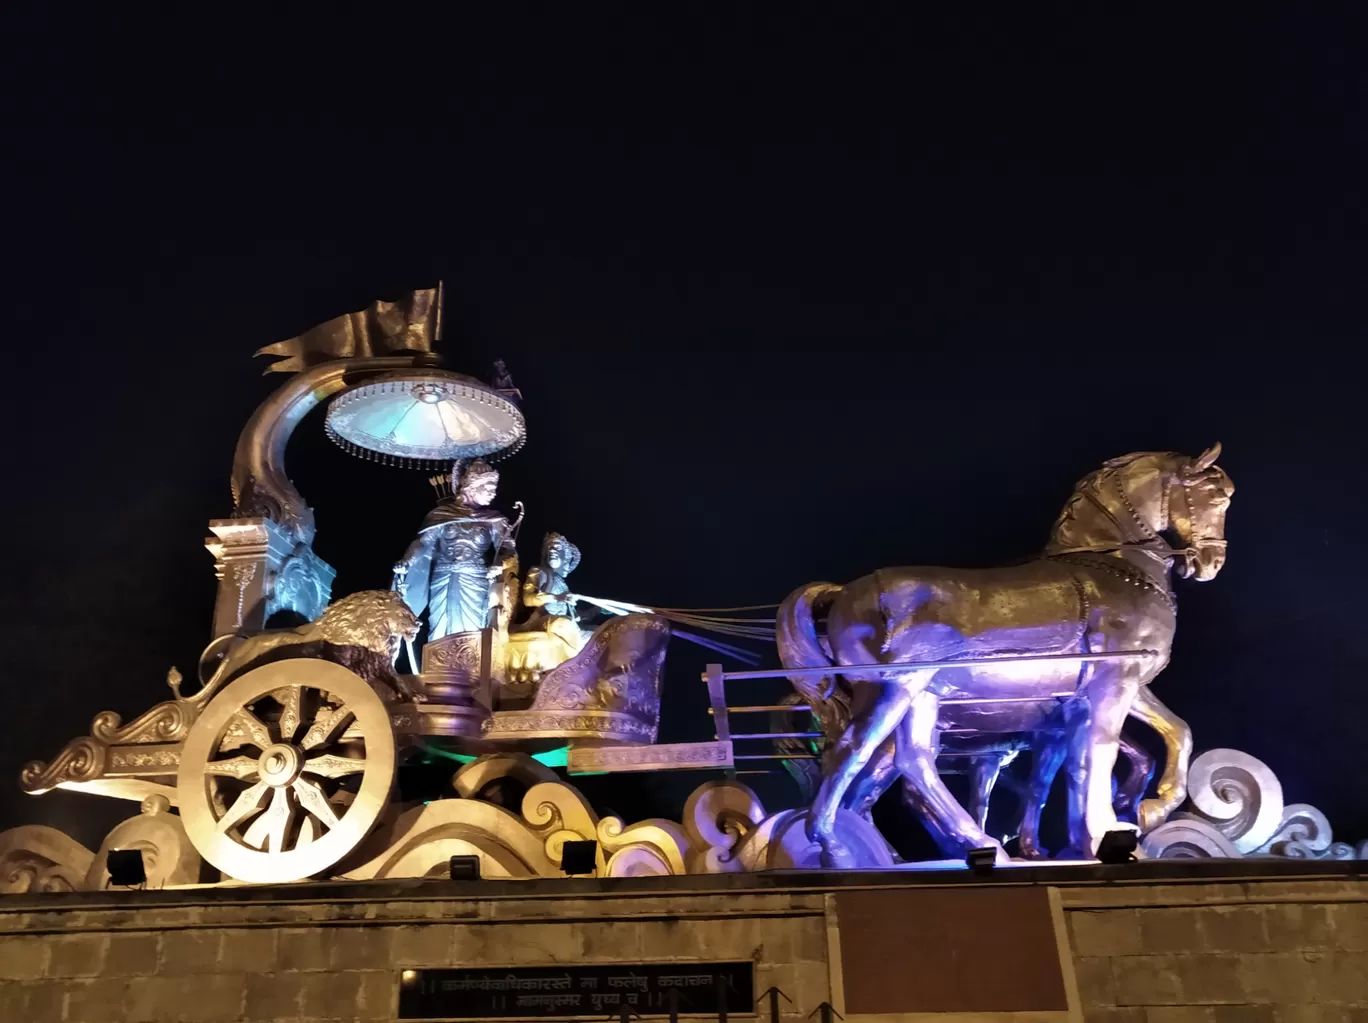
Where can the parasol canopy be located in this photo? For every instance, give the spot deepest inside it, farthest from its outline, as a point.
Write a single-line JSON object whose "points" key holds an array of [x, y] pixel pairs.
{"points": [[425, 418]]}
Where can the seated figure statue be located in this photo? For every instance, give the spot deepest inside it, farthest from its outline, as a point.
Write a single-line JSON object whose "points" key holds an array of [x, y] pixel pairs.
{"points": [[546, 593], [551, 634]]}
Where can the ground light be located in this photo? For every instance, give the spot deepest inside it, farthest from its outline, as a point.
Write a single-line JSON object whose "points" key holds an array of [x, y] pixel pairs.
{"points": [[126, 868]]}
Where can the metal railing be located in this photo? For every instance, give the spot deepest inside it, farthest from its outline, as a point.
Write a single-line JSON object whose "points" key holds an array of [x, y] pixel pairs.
{"points": [[717, 679]]}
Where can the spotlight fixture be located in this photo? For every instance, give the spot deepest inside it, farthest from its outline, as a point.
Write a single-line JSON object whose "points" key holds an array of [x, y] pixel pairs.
{"points": [[982, 860], [465, 868], [579, 857], [1118, 847], [126, 869]]}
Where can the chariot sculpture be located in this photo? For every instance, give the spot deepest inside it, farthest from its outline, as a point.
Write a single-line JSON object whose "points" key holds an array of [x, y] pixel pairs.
{"points": [[284, 758], [282, 761]]}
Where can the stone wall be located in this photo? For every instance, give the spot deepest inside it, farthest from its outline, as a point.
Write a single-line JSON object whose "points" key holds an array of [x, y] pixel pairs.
{"points": [[1253, 952], [300, 960], [1256, 951]]}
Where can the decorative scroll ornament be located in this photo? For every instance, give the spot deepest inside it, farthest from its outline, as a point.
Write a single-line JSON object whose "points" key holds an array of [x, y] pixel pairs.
{"points": [[421, 841], [166, 722], [37, 858], [302, 584], [609, 691], [781, 843], [725, 829], [651, 847], [81, 760], [1236, 809], [718, 817], [169, 858], [475, 776], [560, 814]]}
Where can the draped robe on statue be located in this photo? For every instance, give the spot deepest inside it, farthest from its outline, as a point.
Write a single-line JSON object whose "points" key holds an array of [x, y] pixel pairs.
{"points": [[448, 567]]}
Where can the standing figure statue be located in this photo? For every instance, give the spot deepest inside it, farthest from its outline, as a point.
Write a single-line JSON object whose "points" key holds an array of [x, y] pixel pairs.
{"points": [[1101, 586], [453, 566], [547, 595]]}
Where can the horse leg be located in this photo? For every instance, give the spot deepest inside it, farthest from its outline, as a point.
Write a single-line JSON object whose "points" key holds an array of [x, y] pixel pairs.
{"points": [[983, 775], [1095, 732], [857, 744], [1046, 760], [1138, 774], [950, 823], [873, 781], [1177, 738]]}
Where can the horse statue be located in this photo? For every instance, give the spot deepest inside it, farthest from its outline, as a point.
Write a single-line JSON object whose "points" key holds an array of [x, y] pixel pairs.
{"points": [[1101, 586], [982, 760]]}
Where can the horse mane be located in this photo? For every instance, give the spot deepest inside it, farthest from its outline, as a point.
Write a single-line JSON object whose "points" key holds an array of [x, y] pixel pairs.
{"points": [[1094, 481]]}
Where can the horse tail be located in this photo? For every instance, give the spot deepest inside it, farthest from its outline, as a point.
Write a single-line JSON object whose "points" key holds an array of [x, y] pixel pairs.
{"points": [[805, 771], [796, 628], [800, 646]]}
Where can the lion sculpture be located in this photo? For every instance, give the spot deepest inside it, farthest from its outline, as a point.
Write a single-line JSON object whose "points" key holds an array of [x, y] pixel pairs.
{"points": [[361, 632]]}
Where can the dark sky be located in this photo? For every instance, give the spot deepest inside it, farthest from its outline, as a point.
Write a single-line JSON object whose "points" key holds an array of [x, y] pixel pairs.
{"points": [[789, 298]]}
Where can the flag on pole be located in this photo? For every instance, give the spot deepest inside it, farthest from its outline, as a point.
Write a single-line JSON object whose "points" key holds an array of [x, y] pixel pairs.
{"points": [[411, 324]]}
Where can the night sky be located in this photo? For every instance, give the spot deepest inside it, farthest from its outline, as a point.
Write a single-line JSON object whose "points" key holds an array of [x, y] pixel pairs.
{"points": [[788, 299]]}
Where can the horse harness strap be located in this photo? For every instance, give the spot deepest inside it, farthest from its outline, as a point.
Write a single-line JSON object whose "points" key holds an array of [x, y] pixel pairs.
{"points": [[1119, 569], [1155, 546]]}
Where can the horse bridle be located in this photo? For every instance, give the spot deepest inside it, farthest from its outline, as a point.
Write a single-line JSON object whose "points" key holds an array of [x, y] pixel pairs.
{"points": [[1155, 546]]}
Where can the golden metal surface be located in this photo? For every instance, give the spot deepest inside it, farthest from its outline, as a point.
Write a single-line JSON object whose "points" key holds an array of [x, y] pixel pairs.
{"points": [[608, 692], [673, 756], [1101, 585], [383, 328], [272, 811], [37, 858], [169, 857], [362, 631]]}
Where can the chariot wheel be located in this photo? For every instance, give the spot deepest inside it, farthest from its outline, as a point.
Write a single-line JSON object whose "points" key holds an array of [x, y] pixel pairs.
{"points": [[286, 770]]}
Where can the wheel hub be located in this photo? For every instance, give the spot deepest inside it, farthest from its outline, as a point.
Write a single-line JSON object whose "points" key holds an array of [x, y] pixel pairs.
{"points": [[280, 764]]}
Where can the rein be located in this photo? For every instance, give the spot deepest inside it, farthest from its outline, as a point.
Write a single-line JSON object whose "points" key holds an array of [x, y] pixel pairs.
{"points": [[1155, 546]]}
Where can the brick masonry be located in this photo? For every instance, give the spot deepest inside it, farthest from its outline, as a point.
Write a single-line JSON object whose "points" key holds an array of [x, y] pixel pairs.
{"points": [[1268, 951], [1254, 952], [299, 961]]}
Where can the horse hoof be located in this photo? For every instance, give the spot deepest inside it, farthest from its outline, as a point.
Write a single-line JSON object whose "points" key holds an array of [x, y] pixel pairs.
{"points": [[835, 856]]}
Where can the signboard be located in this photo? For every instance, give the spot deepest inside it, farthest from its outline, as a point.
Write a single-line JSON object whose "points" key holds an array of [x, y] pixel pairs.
{"points": [[545, 992]]}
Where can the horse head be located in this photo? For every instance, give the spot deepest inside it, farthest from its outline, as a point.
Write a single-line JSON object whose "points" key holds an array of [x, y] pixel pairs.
{"points": [[1199, 498], [1134, 502]]}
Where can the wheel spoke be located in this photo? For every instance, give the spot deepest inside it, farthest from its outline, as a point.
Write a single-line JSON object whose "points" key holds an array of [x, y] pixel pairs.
{"points": [[245, 729], [311, 798], [329, 722], [240, 768], [247, 803], [290, 716], [308, 831], [267, 832], [330, 765]]}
